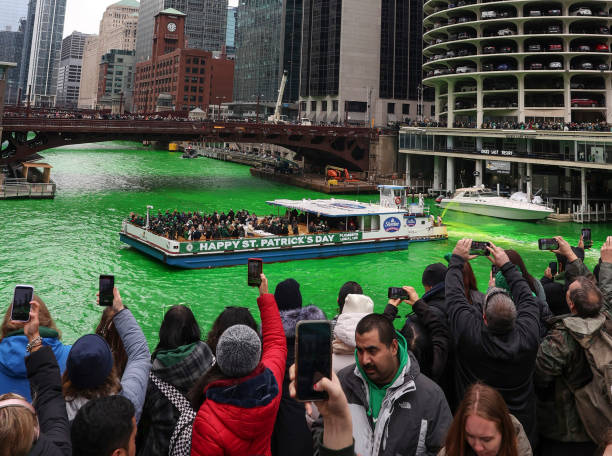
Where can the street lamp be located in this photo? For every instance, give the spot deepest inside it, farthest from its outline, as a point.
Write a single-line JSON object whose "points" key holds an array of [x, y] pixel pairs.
{"points": [[259, 96], [147, 225]]}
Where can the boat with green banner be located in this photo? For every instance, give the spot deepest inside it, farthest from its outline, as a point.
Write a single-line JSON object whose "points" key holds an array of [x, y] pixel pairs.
{"points": [[321, 228]]}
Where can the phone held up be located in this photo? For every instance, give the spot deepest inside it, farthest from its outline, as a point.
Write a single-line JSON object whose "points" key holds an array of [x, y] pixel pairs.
{"points": [[494, 270], [479, 248], [553, 268], [20, 309], [586, 238], [397, 293], [548, 244], [313, 358], [255, 269], [107, 283]]}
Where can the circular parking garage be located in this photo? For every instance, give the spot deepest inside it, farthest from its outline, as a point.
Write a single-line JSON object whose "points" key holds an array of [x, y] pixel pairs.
{"points": [[517, 60]]}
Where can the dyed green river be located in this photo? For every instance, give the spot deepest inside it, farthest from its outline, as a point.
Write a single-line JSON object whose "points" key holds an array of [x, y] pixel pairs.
{"points": [[61, 246]]}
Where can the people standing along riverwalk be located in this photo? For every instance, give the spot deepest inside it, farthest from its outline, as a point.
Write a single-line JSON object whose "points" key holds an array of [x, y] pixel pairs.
{"points": [[380, 404]]}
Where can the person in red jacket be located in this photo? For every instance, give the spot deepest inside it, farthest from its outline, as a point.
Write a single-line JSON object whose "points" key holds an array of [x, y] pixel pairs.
{"points": [[238, 414]]}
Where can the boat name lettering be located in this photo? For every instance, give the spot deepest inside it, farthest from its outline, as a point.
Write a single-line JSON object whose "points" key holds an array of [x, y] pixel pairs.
{"points": [[268, 242]]}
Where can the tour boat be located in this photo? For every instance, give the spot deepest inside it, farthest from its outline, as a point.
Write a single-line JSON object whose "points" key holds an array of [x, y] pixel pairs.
{"points": [[390, 224], [483, 201]]}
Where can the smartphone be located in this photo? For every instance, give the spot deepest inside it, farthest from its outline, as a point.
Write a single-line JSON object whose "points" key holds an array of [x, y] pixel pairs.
{"points": [[313, 357], [479, 248], [548, 244], [107, 283], [494, 270], [20, 309], [255, 268], [553, 268], [586, 237], [397, 293]]}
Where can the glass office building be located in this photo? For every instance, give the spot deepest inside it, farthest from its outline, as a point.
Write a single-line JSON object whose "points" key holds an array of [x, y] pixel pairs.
{"points": [[12, 12], [11, 45], [204, 29]]}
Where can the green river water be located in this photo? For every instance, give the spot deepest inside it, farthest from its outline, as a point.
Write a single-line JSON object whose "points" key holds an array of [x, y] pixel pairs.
{"points": [[61, 246]]}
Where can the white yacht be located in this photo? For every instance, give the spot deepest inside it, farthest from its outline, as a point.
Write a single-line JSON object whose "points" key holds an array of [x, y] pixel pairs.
{"points": [[483, 201]]}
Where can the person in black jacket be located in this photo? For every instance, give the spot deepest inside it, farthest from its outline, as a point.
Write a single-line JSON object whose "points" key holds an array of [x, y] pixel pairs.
{"points": [[499, 344], [47, 432]]}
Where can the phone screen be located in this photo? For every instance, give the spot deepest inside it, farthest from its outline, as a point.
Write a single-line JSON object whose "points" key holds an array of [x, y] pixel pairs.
{"points": [[107, 283], [548, 244], [479, 248], [20, 310], [586, 234], [494, 269], [313, 358], [255, 268], [553, 267], [397, 293]]}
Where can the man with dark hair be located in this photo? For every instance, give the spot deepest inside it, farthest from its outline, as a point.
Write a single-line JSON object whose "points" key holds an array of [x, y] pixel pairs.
{"points": [[105, 427], [561, 364], [394, 408], [498, 343]]}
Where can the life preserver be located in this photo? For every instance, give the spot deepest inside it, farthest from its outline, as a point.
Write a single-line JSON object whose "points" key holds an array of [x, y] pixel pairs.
{"points": [[398, 200]]}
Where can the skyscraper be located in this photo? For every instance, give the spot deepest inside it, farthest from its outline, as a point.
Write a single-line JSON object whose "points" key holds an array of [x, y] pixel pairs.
{"points": [[12, 13], [69, 76], [204, 29], [11, 46], [361, 62], [117, 31], [268, 39], [45, 50], [230, 30]]}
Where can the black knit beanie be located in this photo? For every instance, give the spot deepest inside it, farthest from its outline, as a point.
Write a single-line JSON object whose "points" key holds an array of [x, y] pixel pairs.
{"points": [[287, 295]]}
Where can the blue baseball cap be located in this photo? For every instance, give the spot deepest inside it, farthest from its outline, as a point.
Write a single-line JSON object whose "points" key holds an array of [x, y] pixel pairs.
{"points": [[90, 361]]}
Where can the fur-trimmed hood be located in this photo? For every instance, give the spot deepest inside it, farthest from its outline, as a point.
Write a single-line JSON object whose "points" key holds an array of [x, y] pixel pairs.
{"points": [[290, 318]]}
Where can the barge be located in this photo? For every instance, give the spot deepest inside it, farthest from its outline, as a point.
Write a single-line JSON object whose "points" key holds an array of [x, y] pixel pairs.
{"points": [[356, 228]]}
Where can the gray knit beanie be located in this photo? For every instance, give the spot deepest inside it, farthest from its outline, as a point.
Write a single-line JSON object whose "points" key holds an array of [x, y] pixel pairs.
{"points": [[238, 351]]}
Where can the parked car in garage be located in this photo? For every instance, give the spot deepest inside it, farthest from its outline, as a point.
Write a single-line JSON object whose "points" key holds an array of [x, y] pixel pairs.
{"points": [[603, 30], [503, 67], [488, 15], [555, 65], [463, 52], [584, 48], [534, 13], [602, 13], [465, 69], [582, 11], [450, 53], [463, 35], [536, 66], [505, 49], [602, 47], [602, 66], [487, 67], [555, 47], [585, 66], [488, 50], [553, 29], [576, 85], [534, 48], [505, 32], [553, 12], [463, 19], [583, 102]]}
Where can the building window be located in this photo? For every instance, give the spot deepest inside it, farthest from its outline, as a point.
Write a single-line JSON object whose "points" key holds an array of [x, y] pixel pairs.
{"points": [[433, 110], [356, 106], [313, 105], [303, 106], [390, 108], [324, 106], [335, 105], [406, 108]]}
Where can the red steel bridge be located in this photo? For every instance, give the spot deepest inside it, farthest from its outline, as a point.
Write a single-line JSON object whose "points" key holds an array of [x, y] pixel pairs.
{"points": [[24, 137]]}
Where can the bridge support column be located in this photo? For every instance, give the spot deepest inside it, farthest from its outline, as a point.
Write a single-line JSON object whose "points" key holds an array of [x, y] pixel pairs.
{"points": [[450, 174], [408, 171], [521, 176], [478, 170], [567, 185], [436, 173], [529, 181], [583, 188]]}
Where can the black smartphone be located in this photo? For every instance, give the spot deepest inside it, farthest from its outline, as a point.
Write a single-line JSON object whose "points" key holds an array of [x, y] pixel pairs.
{"points": [[479, 248], [494, 270], [255, 268], [20, 309], [107, 283], [553, 268], [586, 238], [548, 244], [313, 357], [397, 293]]}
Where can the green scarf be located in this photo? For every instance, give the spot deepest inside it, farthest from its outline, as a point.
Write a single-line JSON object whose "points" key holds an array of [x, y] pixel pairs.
{"points": [[377, 394], [44, 332], [171, 357]]}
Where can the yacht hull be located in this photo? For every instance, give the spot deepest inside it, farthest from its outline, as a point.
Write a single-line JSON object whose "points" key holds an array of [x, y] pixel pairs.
{"points": [[509, 213]]}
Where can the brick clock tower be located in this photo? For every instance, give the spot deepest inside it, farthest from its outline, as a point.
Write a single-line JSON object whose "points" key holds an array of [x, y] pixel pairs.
{"points": [[169, 32]]}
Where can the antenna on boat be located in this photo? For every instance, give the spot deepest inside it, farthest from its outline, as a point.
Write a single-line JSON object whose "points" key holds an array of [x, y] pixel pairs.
{"points": [[148, 207]]}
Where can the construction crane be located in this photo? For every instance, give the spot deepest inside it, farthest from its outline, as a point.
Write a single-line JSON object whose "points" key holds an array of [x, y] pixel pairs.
{"points": [[277, 117]]}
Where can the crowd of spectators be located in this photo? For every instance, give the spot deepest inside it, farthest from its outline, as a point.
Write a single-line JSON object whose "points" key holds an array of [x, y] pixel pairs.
{"points": [[518, 371], [549, 125]]}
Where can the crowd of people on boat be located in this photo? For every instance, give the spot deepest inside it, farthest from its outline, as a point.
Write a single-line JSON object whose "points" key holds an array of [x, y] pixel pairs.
{"points": [[195, 226], [519, 370]]}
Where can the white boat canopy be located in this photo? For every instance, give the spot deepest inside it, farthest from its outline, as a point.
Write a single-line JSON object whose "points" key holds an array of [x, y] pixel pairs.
{"points": [[335, 207]]}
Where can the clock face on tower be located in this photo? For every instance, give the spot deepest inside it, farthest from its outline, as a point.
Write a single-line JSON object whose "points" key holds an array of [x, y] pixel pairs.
{"points": [[171, 27]]}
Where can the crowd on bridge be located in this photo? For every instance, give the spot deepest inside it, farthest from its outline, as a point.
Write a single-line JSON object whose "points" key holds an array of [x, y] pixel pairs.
{"points": [[520, 370], [87, 115]]}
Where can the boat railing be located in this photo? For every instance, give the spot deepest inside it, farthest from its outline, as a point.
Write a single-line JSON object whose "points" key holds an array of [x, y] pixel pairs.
{"points": [[21, 188]]}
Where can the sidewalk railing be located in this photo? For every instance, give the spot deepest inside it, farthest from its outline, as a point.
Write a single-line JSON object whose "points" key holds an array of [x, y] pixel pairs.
{"points": [[20, 188]]}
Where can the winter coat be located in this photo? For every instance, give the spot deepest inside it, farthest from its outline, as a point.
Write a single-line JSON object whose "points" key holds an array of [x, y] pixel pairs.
{"points": [[135, 376], [561, 363], [291, 432], [13, 375], [159, 416], [343, 345], [504, 361], [522, 442], [238, 414], [46, 383], [413, 419]]}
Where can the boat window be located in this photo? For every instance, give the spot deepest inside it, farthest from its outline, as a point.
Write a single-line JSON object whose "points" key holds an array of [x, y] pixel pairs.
{"points": [[370, 223]]}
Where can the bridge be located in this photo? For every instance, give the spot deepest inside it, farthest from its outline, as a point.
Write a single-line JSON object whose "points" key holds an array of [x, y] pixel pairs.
{"points": [[344, 146]]}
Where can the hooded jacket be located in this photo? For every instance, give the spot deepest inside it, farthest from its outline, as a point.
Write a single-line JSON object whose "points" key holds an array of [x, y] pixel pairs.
{"points": [[159, 416], [238, 414], [343, 346], [504, 361], [414, 416], [13, 375]]}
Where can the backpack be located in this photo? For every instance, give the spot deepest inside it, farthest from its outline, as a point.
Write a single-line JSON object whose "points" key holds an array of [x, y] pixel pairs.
{"points": [[594, 400], [180, 441]]}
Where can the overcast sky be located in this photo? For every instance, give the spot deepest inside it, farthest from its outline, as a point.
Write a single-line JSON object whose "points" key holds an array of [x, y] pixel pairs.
{"points": [[85, 15]]}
